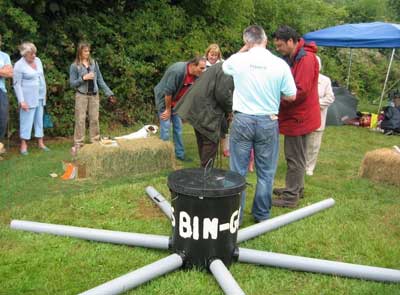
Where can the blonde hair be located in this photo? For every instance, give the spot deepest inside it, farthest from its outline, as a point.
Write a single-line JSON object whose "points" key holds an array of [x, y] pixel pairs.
{"points": [[213, 48], [27, 47], [81, 47]]}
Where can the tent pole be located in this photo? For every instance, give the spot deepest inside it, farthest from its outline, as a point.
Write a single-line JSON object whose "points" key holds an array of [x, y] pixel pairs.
{"points": [[349, 69], [387, 77]]}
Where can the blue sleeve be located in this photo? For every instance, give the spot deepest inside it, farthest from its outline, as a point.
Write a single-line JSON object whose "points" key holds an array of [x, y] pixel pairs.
{"points": [[74, 79], [288, 86]]}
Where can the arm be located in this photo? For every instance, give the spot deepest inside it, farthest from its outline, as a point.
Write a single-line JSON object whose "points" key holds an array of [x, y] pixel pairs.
{"points": [[288, 86], [43, 77], [7, 70], [101, 83], [304, 78], [74, 79], [17, 84], [167, 113], [328, 97]]}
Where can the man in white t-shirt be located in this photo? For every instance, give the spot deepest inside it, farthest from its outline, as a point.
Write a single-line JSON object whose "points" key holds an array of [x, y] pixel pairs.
{"points": [[261, 80]]}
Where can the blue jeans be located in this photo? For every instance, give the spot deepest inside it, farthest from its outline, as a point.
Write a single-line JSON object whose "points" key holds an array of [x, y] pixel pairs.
{"points": [[165, 126], [260, 133], [3, 113]]}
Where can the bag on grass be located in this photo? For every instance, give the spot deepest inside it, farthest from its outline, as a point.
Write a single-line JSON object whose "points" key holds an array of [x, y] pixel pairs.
{"points": [[47, 121]]}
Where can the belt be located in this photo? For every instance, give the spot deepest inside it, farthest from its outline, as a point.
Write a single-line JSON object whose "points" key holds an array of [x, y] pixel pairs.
{"points": [[87, 93], [273, 117]]}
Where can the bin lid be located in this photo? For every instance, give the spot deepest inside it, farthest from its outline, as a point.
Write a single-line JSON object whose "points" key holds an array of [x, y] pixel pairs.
{"points": [[199, 182]]}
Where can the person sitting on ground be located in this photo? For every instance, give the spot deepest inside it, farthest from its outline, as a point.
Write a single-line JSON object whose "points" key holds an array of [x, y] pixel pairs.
{"points": [[86, 79], [30, 90]]}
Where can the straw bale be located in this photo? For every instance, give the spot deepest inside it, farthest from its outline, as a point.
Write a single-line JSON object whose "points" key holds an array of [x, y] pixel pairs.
{"points": [[129, 157], [382, 165]]}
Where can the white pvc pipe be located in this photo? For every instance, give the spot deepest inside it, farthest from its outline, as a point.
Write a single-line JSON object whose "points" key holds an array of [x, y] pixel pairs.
{"points": [[276, 222], [161, 202], [319, 265], [99, 235], [137, 277], [225, 278]]}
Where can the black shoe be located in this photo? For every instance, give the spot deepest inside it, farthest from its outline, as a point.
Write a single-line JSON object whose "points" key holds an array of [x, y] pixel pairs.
{"points": [[284, 201]]}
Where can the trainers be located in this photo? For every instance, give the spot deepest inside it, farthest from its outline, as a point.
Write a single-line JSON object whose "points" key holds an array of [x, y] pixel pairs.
{"points": [[184, 159], [284, 201], [309, 172]]}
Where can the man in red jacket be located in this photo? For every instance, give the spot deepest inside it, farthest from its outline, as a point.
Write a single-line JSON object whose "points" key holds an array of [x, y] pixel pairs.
{"points": [[299, 118]]}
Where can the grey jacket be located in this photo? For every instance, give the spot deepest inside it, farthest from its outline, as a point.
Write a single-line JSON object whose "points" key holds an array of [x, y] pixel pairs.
{"points": [[170, 84], [76, 73], [207, 102]]}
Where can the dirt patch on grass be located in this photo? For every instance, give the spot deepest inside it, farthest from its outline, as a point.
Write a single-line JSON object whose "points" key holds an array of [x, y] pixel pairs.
{"points": [[147, 210]]}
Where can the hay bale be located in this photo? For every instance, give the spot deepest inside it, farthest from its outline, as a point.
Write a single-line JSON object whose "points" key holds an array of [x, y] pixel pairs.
{"points": [[382, 165], [129, 157]]}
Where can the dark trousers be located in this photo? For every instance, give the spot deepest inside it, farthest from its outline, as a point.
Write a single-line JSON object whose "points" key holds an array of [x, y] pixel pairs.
{"points": [[207, 148], [3, 113], [295, 155]]}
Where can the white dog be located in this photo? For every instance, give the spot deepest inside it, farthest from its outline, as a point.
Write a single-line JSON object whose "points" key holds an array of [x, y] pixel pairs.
{"points": [[142, 133]]}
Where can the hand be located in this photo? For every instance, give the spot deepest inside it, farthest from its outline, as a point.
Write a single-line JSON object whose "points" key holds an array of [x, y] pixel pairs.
{"points": [[88, 76], [245, 48], [166, 114], [24, 106], [112, 99]]}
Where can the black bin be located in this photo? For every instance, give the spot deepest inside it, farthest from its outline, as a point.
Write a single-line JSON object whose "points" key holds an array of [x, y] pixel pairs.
{"points": [[206, 207]]}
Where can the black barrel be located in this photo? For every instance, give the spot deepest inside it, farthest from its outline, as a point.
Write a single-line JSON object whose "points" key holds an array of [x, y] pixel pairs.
{"points": [[206, 206]]}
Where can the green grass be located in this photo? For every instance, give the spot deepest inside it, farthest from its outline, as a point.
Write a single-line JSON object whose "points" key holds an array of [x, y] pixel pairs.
{"points": [[363, 227]]}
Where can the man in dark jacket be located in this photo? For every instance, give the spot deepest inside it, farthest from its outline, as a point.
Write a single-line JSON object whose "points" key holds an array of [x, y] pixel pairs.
{"points": [[176, 81], [301, 117], [205, 106]]}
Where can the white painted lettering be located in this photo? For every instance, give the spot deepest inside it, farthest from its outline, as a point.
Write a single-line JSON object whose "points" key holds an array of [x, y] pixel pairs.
{"points": [[234, 222], [210, 227], [185, 230], [195, 228]]}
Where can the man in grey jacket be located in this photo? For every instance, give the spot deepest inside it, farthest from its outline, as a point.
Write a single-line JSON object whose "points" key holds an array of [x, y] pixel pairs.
{"points": [[176, 81], [205, 107]]}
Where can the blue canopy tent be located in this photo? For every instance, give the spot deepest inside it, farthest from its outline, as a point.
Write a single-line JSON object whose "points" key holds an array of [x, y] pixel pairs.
{"points": [[363, 35]]}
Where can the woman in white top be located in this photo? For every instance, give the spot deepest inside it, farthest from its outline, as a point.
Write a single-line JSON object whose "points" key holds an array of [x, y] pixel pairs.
{"points": [[30, 89], [313, 141]]}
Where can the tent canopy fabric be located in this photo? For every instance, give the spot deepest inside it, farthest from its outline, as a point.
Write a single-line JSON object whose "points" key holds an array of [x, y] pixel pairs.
{"points": [[362, 35]]}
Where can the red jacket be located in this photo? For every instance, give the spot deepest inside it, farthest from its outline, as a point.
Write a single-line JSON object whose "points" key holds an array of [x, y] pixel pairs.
{"points": [[302, 116]]}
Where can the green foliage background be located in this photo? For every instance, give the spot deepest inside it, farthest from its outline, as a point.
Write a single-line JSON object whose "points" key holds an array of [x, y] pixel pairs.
{"points": [[134, 42]]}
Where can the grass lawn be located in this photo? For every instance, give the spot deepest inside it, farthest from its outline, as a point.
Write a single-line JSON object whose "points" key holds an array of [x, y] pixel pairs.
{"points": [[362, 228]]}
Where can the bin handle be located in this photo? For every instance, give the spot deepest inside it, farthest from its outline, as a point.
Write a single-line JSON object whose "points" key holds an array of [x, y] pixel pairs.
{"points": [[207, 170]]}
